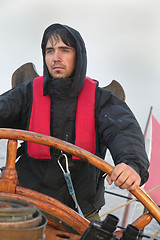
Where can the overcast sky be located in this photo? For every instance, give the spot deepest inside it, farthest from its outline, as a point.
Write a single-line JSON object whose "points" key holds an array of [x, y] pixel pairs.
{"points": [[122, 39]]}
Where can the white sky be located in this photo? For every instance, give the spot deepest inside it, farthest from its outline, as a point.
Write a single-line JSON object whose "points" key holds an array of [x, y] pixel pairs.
{"points": [[122, 40]]}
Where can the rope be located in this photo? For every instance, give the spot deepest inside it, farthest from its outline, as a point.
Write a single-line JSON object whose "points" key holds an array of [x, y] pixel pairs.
{"points": [[128, 202], [153, 189], [155, 235], [118, 195]]}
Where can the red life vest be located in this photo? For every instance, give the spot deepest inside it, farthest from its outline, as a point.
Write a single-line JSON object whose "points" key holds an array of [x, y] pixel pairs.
{"points": [[84, 123]]}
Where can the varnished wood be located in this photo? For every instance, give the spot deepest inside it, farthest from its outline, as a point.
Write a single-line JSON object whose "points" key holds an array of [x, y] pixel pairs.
{"points": [[24, 73], [139, 223], [116, 88], [53, 206], [75, 217], [142, 221], [9, 175], [27, 72], [52, 234], [86, 156]]}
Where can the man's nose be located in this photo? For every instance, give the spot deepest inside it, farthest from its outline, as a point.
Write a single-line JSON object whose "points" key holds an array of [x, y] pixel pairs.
{"points": [[57, 56]]}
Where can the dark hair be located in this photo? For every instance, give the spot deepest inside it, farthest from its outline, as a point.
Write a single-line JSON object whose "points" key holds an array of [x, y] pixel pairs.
{"points": [[58, 31]]}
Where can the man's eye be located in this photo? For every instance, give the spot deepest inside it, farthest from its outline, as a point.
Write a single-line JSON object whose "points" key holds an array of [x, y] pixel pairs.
{"points": [[49, 51], [65, 50]]}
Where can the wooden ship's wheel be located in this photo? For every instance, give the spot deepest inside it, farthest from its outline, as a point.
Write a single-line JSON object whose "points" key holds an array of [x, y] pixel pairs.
{"points": [[63, 222]]}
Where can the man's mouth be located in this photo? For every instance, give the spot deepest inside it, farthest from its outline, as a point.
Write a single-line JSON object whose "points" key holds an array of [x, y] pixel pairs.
{"points": [[58, 67]]}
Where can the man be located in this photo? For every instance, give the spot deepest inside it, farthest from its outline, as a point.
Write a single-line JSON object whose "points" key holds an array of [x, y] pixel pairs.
{"points": [[66, 104]]}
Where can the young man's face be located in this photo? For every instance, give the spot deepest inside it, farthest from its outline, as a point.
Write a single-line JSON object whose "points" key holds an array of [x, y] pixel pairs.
{"points": [[60, 58]]}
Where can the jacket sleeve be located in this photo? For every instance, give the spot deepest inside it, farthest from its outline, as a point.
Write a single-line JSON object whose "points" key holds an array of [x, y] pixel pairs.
{"points": [[119, 131], [14, 105]]}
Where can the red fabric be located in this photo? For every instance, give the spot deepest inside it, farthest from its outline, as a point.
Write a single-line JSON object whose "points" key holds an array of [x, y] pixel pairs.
{"points": [[40, 115], [154, 169], [85, 117], [84, 124]]}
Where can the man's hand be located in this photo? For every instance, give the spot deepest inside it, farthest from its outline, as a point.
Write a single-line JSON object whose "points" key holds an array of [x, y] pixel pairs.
{"points": [[124, 177]]}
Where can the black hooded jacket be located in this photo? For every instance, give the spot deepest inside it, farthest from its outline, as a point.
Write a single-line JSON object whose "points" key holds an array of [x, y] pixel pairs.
{"points": [[116, 126]]}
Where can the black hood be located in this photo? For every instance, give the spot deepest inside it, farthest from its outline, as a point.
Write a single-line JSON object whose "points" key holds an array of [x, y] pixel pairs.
{"points": [[81, 61]]}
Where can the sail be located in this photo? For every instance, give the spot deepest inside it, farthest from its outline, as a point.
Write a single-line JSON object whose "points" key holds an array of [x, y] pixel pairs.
{"points": [[154, 169]]}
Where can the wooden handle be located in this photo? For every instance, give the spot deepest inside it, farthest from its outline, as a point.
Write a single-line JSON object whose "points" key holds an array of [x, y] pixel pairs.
{"points": [[9, 175]]}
